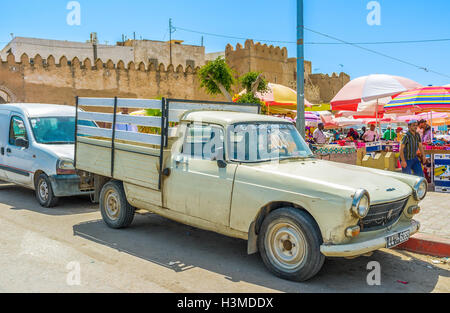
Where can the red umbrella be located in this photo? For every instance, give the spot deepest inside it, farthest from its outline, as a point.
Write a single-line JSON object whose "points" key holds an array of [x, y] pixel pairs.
{"points": [[368, 88]]}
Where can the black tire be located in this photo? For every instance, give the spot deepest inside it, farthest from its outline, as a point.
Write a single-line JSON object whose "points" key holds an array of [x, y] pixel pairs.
{"points": [[117, 213], [44, 192], [302, 244]]}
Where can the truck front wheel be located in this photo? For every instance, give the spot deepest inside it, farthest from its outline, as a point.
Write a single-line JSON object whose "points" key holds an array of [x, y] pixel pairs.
{"points": [[289, 243], [116, 211]]}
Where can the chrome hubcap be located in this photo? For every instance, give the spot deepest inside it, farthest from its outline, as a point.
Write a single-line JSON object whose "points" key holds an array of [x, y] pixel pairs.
{"points": [[112, 205], [286, 246], [43, 190]]}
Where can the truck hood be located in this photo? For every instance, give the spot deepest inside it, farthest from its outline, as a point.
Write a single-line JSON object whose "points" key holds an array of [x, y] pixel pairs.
{"points": [[338, 176], [60, 151]]}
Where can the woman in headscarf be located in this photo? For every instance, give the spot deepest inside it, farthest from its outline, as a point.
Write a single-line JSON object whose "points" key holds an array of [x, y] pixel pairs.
{"points": [[352, 134]]}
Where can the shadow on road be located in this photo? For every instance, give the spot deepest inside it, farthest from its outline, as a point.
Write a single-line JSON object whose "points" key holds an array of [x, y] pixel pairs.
{"points": [[181, 248], [19, 198]]}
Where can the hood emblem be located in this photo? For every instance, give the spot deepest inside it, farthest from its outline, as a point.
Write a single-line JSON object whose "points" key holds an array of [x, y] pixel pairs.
{"points": [[390, 189]]}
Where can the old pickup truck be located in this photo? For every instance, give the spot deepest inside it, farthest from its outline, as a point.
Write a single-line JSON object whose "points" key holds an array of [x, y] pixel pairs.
{"points": [[227, 169]]}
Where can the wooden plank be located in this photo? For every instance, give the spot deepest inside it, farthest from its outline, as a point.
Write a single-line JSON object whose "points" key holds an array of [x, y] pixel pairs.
{"points": [[96, 117], [137, 169], [94, 131], [150, 121], [140, 148], [175, 115], [94, 159], [95, 141], [121, 103], [139, 104], [139, 137]]}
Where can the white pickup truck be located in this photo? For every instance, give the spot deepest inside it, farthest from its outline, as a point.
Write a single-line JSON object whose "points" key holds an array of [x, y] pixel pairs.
{"points": [[227, 169]]}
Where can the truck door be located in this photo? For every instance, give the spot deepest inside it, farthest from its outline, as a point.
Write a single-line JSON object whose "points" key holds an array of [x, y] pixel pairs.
{"points": [[18, 160], [197, 185], [4, 115]]}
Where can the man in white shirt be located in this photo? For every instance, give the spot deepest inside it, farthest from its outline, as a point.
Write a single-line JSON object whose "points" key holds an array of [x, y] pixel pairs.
{"points": [[318, 135], [371, 135]]}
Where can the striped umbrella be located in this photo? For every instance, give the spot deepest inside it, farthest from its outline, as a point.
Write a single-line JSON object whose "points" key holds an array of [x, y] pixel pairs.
{"points": [[368, 88], [427, 99]]}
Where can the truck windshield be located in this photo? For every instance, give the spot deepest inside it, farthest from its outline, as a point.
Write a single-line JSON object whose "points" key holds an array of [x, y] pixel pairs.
{"points": [[56, 130], [261, 142]]}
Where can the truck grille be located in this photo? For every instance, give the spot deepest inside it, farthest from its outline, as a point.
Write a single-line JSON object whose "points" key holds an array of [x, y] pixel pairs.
{"points": [[383, 215]]}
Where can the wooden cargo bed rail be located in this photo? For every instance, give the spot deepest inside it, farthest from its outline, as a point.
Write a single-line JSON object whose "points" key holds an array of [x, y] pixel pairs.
{"points": [[120, 135]]}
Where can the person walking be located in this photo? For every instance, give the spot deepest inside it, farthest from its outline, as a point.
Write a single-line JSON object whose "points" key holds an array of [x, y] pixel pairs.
{"points": [[411, 143]]}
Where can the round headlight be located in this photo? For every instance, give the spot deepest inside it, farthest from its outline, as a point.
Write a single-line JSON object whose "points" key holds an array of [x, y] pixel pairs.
{"points": [[420, 189], [363, 208], [361, 204]]}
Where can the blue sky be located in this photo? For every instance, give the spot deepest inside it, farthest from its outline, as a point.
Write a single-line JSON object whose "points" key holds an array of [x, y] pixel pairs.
{"points": [[259, 19]]}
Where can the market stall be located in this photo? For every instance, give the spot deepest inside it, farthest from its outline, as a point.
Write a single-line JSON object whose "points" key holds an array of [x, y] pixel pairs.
{"points": [[433, 101]]}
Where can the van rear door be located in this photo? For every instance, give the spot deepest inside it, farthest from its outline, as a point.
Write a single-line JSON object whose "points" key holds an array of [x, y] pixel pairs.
{"points": [[4, 116]]}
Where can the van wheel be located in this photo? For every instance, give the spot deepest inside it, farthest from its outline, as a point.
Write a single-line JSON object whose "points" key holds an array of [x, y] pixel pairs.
{"points": [[116, 211], [289, 243], [44, 192]]}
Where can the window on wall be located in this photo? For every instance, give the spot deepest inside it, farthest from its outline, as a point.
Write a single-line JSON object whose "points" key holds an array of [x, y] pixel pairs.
{"points": [[190, 63], [17, 130]]}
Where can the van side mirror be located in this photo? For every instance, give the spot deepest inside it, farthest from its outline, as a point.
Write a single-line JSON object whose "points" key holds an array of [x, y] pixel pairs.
{"points": [[22, 142]]}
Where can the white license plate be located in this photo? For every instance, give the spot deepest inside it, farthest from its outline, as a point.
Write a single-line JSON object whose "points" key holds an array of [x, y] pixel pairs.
{"points": [[397, 239]]}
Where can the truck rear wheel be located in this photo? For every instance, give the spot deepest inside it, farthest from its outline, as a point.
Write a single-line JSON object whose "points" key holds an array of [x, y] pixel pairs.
{"points": [[116, 211], [289, 243], [44, 192]]}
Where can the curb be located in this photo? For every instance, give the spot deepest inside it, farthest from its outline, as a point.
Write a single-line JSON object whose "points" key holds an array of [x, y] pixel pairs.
{"points": [[427, 244]]}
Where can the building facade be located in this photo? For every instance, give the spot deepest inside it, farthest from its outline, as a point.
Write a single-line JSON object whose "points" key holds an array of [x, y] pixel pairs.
{"points": [[41, 70]]}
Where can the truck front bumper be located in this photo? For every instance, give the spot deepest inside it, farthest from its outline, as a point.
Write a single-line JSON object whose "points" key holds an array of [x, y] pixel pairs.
{"points": [[67, 185], [367, 242]]}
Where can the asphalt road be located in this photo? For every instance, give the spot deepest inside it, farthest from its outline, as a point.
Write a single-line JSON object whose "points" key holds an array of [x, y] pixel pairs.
{"points": [[40, 250]]}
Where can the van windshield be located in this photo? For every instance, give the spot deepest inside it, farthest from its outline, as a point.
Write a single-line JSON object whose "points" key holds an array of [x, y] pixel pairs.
{"points": [[56, 130]]}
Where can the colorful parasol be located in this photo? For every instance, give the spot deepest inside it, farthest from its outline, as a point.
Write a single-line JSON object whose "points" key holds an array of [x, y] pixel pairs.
{"points": [[369, 88], [426, 99], [370, 109], [280, 98]]}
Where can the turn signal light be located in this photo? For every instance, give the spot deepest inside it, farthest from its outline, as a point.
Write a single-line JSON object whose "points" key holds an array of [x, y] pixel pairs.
{"points": [[353, 232], [414, 210]]}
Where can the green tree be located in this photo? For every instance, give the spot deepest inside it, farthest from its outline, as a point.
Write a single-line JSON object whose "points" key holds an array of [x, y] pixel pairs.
{"points": [[217, 78], [254, 82]]}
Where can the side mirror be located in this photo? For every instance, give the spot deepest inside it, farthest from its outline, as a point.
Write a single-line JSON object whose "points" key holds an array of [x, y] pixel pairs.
{"points": [[22, 142], [222, 164]]}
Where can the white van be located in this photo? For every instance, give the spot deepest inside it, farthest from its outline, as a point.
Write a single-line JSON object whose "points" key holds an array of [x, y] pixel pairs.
{"points": [[37, 143]]}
